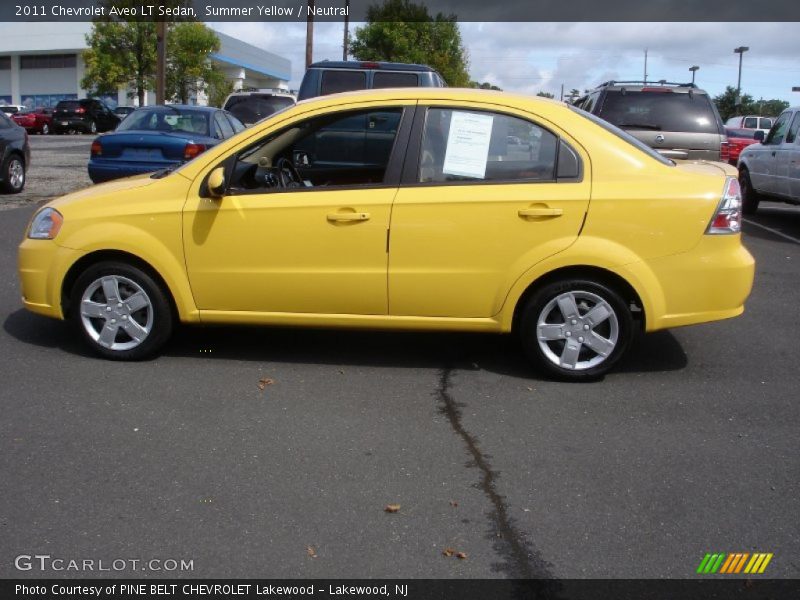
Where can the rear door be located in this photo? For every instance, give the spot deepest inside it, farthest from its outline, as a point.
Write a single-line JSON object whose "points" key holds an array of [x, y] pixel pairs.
{"points": [[678, 124], [474, 212]]}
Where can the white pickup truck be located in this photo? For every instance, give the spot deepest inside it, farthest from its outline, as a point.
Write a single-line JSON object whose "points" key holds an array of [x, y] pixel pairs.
{"points": [[771, 169]]}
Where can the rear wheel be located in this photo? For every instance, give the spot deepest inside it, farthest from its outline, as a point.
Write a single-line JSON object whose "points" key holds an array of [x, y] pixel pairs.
{"points": [[750, 197], [575, 329], [92, 127], [13, 174], [122, 313]]}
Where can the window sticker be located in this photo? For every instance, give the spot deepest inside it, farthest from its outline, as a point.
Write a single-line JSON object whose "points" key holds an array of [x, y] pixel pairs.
{"points": [[468, 145]]}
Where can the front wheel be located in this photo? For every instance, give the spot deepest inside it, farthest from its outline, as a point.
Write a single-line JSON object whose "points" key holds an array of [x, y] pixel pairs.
{"points": [[575, 329], [750, 197], [13, 175], [122, 313]]}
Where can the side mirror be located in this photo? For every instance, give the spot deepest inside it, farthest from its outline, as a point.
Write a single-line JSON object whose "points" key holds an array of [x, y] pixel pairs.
{"points": [[216, 183], [759, 136]]}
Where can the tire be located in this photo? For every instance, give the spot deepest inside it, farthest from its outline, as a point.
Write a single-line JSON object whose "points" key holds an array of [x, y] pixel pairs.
{"points": [[558, 318], [92, 127], [750, 197], [121, 311], [13, 174], [45, 129]]}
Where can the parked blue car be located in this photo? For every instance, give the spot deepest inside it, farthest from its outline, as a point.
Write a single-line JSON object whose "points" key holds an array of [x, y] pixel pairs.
{"points": [[156, 137]]}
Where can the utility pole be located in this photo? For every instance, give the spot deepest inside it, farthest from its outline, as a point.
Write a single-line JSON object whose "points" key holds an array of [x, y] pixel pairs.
{"points": [[740, 51], [161, 61], [562, 92], [694, 70], [310, 34], [645, 65], [346, 44]]}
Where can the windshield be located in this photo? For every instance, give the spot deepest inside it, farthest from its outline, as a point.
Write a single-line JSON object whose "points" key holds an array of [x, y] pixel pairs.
{"points": [[660, 111], [623, 135], [166, 120]]}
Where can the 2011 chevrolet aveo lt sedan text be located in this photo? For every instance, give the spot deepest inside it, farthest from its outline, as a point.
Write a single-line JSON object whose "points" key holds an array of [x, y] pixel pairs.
{"points": [[403, 209]]}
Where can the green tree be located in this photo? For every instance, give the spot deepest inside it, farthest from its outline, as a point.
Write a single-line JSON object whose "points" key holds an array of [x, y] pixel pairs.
{"points": [[401, 31], [188, 68], [771, 108], [726, 104], [120, 54], [484, 86], [545, 95]]}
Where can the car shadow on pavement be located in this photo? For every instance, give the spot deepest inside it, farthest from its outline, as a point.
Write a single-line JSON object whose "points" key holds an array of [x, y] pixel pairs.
{"points": [[499, 354]]}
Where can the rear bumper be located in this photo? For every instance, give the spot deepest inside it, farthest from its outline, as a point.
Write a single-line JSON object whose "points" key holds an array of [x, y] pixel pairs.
{"points": [[59, 125], [709, 283], [100, 171]]}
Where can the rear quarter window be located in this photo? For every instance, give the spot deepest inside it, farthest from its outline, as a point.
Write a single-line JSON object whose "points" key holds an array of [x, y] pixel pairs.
{"points": [[390, 80], [336, 81]]}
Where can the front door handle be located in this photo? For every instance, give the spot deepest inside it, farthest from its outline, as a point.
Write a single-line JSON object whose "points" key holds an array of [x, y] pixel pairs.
{"points": [[348, 216], [541, 211]]}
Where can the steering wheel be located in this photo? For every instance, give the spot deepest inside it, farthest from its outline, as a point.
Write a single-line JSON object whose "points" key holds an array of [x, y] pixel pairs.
{"points": [[288, 173]]}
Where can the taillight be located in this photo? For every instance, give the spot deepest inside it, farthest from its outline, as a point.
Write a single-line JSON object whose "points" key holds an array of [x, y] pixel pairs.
{"points": [[728, 216], [724, 151], [192, 150], [370, 65], [80, 110], [97, 148]]}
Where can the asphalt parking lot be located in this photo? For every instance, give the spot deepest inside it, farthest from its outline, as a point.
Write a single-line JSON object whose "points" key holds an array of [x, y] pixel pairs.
{"points": [[690, 447]]}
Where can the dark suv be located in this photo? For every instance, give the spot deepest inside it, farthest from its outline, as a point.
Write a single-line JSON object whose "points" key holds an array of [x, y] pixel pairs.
{"points": [[331, 77], [677, 119], [88, 115]]}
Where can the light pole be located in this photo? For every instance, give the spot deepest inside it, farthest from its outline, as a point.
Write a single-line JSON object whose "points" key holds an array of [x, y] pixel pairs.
{"points": [[740, 51], [694, 70]]}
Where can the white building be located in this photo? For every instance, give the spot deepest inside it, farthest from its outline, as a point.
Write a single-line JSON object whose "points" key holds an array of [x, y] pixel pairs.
{"points": [[42, 63]]}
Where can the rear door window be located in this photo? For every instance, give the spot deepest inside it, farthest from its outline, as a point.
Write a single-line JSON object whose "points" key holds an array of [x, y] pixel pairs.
{"points": [[223, 129], [778, 131], [391, 80], [465, 145], [659, 111], [751, 123], [791, 135], [335, 81]]}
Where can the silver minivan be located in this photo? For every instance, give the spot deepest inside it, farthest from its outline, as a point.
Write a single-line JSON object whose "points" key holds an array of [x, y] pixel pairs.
{"points": [[678, 120]]}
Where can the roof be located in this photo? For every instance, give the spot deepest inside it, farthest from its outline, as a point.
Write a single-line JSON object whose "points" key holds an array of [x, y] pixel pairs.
{"points": [[358, 64], [188, 107], [429, 93]]}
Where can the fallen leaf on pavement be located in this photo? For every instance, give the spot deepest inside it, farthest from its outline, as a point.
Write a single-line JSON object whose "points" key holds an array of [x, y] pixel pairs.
{"points": [[264, 382], [448, 552], [311, 552], [392, 508], [453, 503], [461, 555]]}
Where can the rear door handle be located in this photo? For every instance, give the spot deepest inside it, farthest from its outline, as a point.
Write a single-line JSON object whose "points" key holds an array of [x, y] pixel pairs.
{"points": [[541, 212], [348, 216]]}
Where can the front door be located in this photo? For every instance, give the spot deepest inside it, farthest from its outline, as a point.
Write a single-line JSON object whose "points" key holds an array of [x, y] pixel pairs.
{"points": [[291, 239]]}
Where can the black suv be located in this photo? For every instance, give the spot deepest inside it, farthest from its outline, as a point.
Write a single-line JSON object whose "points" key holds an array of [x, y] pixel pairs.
{"points": [[677, 119], [331, 77], [88, 115]]}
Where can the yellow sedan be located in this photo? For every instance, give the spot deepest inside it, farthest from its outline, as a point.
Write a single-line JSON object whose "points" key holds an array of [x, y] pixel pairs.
{"points": [[425, 209]]}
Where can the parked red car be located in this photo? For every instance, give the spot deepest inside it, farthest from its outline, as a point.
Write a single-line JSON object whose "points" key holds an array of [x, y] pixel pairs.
{"points": [[738, 140], [38, 120]]}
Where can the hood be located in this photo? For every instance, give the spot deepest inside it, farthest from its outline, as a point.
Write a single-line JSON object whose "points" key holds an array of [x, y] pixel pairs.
{"points": [[105, 190]]}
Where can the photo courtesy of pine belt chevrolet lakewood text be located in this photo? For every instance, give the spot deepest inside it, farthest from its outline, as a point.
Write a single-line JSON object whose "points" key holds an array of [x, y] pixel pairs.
{"points": [[415, 209]]}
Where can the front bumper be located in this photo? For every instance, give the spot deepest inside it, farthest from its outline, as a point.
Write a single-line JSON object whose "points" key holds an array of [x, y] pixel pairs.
{"points": [[42, 266]]}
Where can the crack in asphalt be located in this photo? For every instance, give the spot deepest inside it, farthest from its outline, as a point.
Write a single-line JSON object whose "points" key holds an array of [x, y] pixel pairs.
{"points": [[521, 559]]}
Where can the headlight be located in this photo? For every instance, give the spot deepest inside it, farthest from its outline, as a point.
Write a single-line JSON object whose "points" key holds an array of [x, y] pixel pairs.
{"points": [[45, 225]]}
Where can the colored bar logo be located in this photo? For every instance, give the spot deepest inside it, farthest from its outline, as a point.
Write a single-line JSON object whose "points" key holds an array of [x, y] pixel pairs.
{"points": [[734, 563]]}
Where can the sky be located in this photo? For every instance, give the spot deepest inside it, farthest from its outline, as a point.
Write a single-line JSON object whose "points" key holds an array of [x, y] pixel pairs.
{"points": [[534, 57]]}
